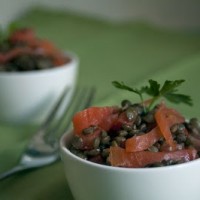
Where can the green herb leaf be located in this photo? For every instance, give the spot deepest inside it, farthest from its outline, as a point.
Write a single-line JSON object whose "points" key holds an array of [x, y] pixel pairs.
{"points": [[178, 98], [125, 87], [168, 90], [154, 89], [170, 86]]}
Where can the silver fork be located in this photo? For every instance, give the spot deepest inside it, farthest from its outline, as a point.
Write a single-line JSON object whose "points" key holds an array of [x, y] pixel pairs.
{"points": [[43, 148]]}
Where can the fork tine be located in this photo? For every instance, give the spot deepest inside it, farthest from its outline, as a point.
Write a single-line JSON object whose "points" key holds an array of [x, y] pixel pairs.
{"points": [[53, 112], [88, 99], [40, 152], [77, 94], [82, 98]]}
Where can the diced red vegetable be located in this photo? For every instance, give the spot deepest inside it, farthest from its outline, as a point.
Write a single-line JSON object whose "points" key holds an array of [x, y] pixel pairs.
{"points": [[143, 142], [118, 157], [44, 46], [173, 116], [103, 117], [13, 53], [2, 58], [25, 35], [24, 41], [164, 125]]}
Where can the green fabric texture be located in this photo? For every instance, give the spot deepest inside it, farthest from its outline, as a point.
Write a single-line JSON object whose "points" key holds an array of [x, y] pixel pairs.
{"points": [[131, 52]]}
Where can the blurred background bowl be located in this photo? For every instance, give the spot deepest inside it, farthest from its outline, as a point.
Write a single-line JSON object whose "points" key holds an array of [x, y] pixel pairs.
{"points": [[91, 181], [27, 97]]}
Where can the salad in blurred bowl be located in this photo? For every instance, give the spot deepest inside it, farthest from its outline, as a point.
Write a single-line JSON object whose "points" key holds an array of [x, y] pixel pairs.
{"points": [[33, 74]]}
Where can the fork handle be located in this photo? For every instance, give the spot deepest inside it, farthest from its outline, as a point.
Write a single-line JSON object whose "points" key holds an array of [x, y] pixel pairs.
{"points": [[12, 171]]}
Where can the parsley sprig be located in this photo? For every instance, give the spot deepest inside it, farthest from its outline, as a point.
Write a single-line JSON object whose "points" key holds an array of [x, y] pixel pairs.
{"points": [[168, 90]]}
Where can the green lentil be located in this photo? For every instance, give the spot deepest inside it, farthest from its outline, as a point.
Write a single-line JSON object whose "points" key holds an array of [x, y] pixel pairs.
{"points": [[131, 114], [105, 140], [105, 152], [153, 149], [123, 133], [93, 152], [77, 142], [89, 130], [96, 142]]}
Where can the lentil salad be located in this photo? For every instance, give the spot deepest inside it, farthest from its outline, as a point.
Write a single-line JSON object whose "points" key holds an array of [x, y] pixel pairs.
{"points": [[132, 135], [21, 50]]}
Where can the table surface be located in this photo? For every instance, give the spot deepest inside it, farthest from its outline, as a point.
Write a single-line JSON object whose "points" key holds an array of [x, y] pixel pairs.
{"points": [[131, 52]]}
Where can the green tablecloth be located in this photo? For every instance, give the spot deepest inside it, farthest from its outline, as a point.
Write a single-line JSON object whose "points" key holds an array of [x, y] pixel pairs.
{"points": [[132, 52]]}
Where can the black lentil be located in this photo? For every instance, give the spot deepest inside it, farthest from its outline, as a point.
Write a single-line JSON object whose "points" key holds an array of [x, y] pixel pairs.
{"points": [[96, 142], [125, 104]]}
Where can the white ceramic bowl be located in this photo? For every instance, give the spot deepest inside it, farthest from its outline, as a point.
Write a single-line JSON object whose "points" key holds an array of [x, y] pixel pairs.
{"points": [[91, 181], [27, 97]]}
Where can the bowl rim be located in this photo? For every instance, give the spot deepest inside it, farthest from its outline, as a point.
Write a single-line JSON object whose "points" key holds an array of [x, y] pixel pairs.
{"points": [[64, 149], [74, 61]]}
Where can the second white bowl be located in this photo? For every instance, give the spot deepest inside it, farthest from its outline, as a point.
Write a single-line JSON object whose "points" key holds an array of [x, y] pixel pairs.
{"points": [[27, 97]]}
